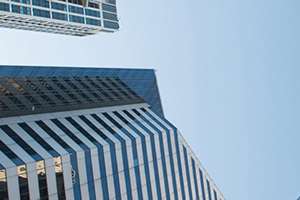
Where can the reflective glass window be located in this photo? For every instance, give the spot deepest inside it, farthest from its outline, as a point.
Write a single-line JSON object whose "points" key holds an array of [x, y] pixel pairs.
{"points": [[75, 9], [112, 25], [109, 8], [22, 1], [21, 9], [93, 22], [110, 16], [58, 6], [42, 179], [59, 16], [92, 13], [23, 182], [76, 19], [59, 178], [3, 185], [41, 3], [41, 13], [4, 6]]}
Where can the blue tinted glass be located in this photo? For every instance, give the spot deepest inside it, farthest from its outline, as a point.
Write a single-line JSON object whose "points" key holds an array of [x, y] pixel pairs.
{"points": [[58, 6], [93, 22], [41, 3], [75, 9], [4, 6], [21, 9], [110, 16], [112, 25], [41, 13], [92, 13], [22, 1], [76, 19], [59, 16], [109, 8]]}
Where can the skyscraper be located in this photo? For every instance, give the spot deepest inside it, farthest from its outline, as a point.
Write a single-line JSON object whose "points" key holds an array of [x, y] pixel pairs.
{"points": [[88, 133], [71, 17]]}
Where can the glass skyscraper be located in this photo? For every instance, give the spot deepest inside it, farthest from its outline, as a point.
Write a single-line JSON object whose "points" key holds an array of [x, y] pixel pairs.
{"points": [[71, 17], [89, 133]]}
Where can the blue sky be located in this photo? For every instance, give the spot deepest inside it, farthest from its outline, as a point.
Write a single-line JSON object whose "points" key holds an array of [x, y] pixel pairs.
{"points": [[228, 73]]}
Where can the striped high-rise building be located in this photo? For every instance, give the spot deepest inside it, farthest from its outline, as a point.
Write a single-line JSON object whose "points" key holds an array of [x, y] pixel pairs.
{"points": [[89, 133]]}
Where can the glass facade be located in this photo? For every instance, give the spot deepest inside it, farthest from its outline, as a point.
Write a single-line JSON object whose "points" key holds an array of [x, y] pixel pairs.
{"points": [[122, 151]]}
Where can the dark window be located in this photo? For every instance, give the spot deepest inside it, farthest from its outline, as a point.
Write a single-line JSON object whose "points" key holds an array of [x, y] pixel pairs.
{"points": [[76, 19], [94, 22], [59, 16], [42, 179], [41, 13], [112, 25], [75, 9], [93, 5], [41, 3], [92, 13], [3, 185], [78, 2], [4, 6], [21, 9], [23, 182], [110, 16], [109, 8], [58, 6], [59, 178]]}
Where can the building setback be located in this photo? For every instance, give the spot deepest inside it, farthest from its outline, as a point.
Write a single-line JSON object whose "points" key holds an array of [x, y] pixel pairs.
{"points": [[92, 133], [70, 17]]}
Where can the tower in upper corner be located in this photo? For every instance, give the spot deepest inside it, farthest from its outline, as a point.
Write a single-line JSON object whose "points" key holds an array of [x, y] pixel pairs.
{"points": [[70, 17]]}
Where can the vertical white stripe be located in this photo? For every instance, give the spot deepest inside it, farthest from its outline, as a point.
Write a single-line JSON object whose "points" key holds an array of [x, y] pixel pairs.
{"points": [[49, 163], [117, 147], [106, 150], [80, 157], [94, 156], [183, 170], [13, 183], [29, 161], [158, 152], [52, 190], [191, 174], [11, 177], [149, 152], [173, 144], [165, 148], [51, 178], [67, 173]]}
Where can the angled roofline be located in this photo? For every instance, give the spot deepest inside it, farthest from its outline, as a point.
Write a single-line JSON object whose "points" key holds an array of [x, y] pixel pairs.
{"points": [[133, 77]]}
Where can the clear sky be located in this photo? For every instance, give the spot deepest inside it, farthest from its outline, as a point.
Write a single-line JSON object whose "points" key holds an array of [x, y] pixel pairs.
{"points": [[229, 77]]}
